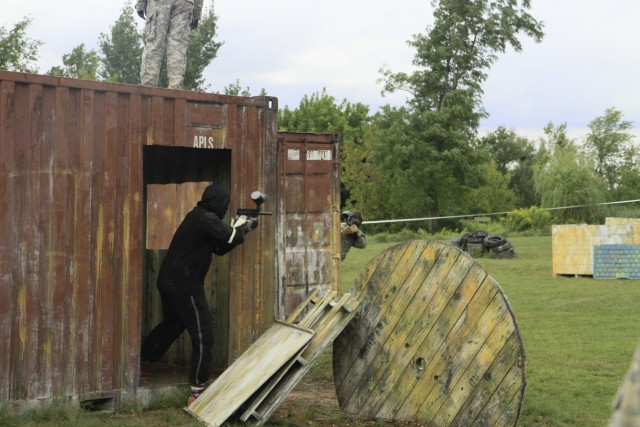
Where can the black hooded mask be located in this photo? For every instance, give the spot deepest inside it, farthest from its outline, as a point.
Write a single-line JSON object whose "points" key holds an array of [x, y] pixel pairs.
{"points": [[215, 199]]}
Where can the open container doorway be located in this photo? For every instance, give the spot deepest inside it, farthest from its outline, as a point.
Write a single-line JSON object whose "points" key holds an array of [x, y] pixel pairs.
{"points": [[174, 179]]}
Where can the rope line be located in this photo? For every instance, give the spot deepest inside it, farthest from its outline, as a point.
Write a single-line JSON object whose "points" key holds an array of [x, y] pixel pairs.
{"points": [[494, 213]]}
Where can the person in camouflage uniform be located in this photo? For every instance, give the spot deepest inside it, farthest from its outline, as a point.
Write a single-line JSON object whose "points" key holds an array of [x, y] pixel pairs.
{"points": [[350, 233], [168, 25]]}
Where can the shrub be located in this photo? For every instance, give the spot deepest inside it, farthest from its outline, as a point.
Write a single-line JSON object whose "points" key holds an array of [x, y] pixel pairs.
{"points": [[534, 218], [491, 227]]}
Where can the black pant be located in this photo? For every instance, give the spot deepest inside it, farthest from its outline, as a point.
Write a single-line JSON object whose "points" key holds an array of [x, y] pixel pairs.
{"points": [[180, 312]]}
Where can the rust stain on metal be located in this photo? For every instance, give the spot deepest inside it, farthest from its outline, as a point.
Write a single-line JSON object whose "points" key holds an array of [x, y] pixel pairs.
{"points": [[309, 217], [76, 159]]}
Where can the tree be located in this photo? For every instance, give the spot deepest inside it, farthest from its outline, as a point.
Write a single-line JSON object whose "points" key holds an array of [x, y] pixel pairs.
{"points": [[436, 153], [556, 136], [568, 179], [428, 160], [17, 51], [321, 113], [235, 89], [610, 144], [494, 195], [513, 155], [122, 50], [80, 64], [202, 50], [460, 47]]}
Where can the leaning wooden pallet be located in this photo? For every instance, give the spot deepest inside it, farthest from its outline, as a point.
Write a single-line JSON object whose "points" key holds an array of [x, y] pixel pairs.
{"points": [[253, 387], [277, 347], [327, 326]]}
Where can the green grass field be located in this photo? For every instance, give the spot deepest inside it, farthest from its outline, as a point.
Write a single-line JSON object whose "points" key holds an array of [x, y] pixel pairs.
{"points": [[579, 336]]}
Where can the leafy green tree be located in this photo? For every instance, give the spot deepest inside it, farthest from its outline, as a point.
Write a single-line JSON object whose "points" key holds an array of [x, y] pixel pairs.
{"points": [[494, 195], [80, 64], [460, 47], [556, 136], [513, 155], [428, 161], [202, 50], [235, 89], [321, 113], [122, 49], [629, 178], [17, 51], [610, 145], [435, 155], [568, 178]]}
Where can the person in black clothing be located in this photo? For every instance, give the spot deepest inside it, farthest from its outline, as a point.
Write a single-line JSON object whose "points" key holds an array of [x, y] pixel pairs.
{"points": [[181, 283]]}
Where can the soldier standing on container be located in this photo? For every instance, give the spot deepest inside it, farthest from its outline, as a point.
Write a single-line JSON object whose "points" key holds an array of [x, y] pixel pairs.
{"points": [[350, 234], [168, 25], [181, 283]]}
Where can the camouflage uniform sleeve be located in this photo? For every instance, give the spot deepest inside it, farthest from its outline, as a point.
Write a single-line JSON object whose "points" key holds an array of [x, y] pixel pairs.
{"points": [[197, 9], [360, 241]]}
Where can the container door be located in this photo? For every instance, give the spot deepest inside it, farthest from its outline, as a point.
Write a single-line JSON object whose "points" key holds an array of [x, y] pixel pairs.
{"points": [[309, 217]]}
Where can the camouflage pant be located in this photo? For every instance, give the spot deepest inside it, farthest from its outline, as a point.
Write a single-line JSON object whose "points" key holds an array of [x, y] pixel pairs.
{"points": [[168, 26]]}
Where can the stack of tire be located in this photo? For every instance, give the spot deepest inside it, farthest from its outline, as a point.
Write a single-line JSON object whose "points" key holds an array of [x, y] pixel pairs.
{"points": [[481, 242]]}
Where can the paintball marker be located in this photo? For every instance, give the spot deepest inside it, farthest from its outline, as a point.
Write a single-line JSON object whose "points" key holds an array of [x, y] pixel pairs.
{"points": [[250, 216]]}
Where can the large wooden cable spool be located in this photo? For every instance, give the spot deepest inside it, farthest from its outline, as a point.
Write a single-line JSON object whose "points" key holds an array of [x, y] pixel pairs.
{"points": [[434, 341]]}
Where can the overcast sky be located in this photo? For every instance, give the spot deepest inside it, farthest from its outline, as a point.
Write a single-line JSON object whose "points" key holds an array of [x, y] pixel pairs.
{"points": [[587, 62]]}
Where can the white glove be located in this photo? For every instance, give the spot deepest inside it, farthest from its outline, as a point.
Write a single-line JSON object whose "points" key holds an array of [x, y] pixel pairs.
{"points": [[239, 222], [236, 223]]}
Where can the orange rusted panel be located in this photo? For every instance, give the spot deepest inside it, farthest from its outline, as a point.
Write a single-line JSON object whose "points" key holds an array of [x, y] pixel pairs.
{"points": [[309, 217], [81, 164]]}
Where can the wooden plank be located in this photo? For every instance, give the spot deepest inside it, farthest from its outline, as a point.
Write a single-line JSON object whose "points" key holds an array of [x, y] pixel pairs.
{"points": [[503, 379], [251, 409], [463, 357], [393, 338], [318, 310], [403, 262], [298, 311], [430, 328], [409, 388], [249, 372], [328, 328]]}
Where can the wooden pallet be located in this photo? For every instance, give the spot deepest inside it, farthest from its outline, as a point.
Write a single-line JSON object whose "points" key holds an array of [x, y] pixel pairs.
{"points": [[253, 387]]}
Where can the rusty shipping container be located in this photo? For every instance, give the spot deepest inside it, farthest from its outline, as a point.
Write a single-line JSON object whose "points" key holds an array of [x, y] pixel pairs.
{"points": [[309, 217], [95, 177]]}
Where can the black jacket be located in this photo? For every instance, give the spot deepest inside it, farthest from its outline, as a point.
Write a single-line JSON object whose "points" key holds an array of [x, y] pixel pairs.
{"points": [[200, 235]]}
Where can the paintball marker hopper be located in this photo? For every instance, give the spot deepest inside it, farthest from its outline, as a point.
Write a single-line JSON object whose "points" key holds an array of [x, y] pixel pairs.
{"points": [[251, 215]]}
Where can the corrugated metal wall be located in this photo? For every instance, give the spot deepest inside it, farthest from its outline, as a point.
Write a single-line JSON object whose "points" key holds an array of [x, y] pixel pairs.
{"points": [[309, 216], [72, 223]]}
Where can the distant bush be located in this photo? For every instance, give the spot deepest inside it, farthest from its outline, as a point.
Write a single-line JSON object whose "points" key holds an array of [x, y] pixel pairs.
{"points": [[532, 219], [490, 227]]}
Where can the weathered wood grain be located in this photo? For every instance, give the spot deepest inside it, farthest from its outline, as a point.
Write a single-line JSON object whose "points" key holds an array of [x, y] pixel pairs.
{"points": [[380, 295], [427, 342], [327, 326], [275, 348], [434, 341], [395, 339], [503, 379]]}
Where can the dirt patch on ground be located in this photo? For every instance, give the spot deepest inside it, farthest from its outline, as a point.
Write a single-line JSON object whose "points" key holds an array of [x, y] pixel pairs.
{"points": [[314, 403]]}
